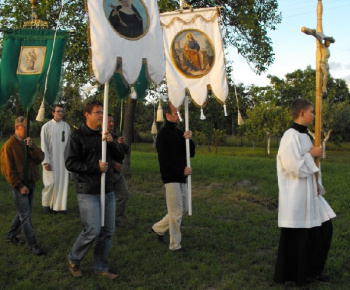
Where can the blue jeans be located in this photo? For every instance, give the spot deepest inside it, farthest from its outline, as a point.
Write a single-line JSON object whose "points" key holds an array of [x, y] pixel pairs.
{"points": [[121, 192], [90, 215], [23, 218]]}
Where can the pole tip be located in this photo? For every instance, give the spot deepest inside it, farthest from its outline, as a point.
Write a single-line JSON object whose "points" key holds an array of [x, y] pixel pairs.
{"points": [[34, 3]]}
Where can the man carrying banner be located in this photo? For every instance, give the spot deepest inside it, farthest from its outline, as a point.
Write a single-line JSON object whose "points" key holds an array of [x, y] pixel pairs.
{"points": [[54, 136], [12, 167], [83, 158], [171, 149]]}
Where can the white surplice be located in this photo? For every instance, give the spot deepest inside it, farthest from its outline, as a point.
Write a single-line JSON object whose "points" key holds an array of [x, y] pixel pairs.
{"points": [[54, 137], [299, 204]]}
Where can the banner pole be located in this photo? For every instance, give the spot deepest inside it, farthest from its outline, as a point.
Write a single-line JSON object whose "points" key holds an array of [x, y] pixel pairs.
{"points": [[121, 118], [189, 180], [104, 151], [26, 151]]}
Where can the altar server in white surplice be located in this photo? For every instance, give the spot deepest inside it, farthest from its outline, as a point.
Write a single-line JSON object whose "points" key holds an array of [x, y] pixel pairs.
{"points": [[54, 136], [304, 216]]}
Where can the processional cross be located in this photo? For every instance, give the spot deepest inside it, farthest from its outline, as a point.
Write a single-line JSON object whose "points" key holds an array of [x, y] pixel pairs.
{"points": [[322, 69]]}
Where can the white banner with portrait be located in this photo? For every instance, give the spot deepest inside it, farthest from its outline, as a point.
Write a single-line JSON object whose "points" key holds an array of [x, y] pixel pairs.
{"points": [[126, 29], [194, 55]]}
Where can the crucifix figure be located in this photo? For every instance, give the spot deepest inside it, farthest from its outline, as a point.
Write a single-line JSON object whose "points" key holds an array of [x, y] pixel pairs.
{"points": [[324, 42], [322, 68]]}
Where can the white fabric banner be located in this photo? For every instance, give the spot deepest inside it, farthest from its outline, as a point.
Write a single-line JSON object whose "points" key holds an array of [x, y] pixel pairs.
{"points": [[194, 55], [129, 29]]}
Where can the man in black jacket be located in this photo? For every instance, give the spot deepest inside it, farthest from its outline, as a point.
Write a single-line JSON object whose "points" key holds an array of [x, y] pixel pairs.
{"points": [[171, 147], [83, 155]]}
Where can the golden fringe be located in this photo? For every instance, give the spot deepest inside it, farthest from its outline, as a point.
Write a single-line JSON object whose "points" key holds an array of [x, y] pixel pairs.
{"points": [[187, 91], [191, 21]]}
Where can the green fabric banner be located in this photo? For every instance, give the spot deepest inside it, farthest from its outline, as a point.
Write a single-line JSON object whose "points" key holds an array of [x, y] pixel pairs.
{"points": [[25, 61], [123, 89]]}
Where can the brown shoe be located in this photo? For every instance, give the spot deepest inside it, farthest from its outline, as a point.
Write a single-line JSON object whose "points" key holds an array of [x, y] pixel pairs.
{"points": [[109, 275], [75, 270]]}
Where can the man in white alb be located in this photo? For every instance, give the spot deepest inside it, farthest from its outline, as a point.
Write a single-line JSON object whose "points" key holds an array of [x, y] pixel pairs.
{"points": [[54, 136]]}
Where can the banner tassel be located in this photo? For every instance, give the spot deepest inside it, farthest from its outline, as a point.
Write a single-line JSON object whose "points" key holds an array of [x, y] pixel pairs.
{"points": [[154, 128], [133, 93], [41, 113], [202, 117], [178, 113], [240, 119], [225, 111], [160, 117]]}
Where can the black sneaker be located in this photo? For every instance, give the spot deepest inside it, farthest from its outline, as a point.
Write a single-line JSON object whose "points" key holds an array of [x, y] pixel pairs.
{"points": [[323, 279], [181, 250], [120, 224], [16, 241], [37, 251], [47, 210], [159, 237]]}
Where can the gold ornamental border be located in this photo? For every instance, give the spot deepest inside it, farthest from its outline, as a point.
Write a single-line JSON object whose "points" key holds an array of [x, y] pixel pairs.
{"points": [[194, 18]]}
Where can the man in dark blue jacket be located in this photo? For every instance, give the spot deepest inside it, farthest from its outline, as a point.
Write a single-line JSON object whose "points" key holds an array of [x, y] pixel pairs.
{"points": [[171, 147], [83, 157]]}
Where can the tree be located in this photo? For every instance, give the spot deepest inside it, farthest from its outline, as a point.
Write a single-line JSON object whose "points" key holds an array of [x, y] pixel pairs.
{"points": [[302, 83], [339, 122], [265, 121]]}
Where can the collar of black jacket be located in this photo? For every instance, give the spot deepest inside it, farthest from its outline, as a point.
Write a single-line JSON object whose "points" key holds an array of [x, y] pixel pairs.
{"points": [[170, 124], [87, 130]]}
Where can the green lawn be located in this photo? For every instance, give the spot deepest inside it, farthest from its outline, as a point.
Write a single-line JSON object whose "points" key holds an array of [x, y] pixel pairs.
{"points": [[231, 238]]}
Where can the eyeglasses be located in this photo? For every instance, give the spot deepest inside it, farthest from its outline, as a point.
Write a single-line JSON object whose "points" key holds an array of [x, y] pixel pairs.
{"points": [[59, 111], [98, 112]]}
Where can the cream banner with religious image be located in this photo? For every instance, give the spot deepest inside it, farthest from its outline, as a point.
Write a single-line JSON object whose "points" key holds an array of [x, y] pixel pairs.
{"points": [[128, 30], [194, 55]]}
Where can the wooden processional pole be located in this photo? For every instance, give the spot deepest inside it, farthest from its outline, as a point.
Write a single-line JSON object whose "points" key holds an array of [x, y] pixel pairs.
{"points": [[322, 70]]}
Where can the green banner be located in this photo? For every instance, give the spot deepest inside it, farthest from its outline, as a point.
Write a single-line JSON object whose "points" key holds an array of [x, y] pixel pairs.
{"points": [[25, 61]]}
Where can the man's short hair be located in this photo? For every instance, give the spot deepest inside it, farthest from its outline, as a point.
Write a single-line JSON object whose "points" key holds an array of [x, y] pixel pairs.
{"points": [[166, 109], [55, 106], [21, 121], [90, 105], [298, 105]]}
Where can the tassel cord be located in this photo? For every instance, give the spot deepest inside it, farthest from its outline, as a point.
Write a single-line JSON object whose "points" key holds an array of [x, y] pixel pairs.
{"points": [[53, 48]]}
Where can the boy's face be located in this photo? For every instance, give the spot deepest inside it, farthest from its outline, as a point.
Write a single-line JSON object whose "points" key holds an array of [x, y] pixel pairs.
{"points": [[95, 118], [308, 116]]}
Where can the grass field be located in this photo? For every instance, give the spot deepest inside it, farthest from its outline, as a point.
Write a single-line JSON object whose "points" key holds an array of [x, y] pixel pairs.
{"points": [[231, 238]]}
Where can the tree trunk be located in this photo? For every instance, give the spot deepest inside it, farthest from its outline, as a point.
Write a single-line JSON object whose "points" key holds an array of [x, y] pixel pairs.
{"points": [[233, 125], [268, 144], [128, 131]]}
